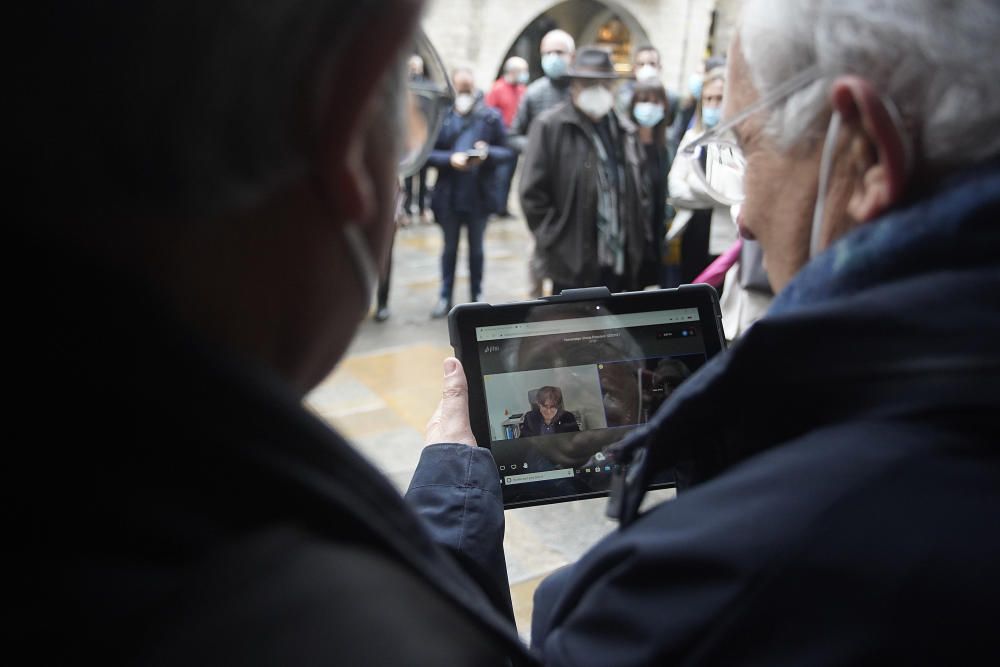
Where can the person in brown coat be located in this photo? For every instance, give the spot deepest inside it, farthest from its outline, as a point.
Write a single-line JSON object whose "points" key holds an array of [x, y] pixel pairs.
{"points": [[582, 191]]}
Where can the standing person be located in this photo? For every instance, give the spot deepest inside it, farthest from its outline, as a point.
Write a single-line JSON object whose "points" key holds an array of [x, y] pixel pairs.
{"points": [[707, 226], [557, 50], [505, 97], [650, 110], [647, 67], [205, 266], [471, 144], [415, 66], [582, 189]]}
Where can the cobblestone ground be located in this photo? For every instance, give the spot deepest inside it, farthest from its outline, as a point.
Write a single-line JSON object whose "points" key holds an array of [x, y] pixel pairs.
{"points": [[383, 393]]}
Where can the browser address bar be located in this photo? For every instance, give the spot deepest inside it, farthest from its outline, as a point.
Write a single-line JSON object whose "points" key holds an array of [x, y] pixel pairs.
{"points": [[578, 324]]}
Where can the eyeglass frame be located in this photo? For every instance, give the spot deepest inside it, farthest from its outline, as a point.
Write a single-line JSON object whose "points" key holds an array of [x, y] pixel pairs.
{"points": [[718, 135]]}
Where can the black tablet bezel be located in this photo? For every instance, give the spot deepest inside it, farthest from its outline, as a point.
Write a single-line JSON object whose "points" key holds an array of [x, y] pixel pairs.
{"points": [[464, 319]]}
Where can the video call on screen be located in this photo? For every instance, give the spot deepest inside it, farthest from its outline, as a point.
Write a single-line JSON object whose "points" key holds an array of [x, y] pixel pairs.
{"points": [[559, 391]]}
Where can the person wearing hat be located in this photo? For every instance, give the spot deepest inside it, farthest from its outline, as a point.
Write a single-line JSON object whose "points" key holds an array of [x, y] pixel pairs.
{"points": [[582, 191]]}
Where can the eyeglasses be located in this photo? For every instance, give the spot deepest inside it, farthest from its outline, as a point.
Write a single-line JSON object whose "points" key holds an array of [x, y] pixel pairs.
{"points": [[716, 158], [428, 100]]}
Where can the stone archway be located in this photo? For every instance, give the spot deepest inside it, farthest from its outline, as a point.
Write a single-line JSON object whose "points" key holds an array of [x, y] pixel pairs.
{"points": [[581, 18]]}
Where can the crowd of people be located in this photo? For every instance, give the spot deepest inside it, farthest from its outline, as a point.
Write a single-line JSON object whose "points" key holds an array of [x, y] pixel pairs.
{"points": [[601, 191], [199, 231]]}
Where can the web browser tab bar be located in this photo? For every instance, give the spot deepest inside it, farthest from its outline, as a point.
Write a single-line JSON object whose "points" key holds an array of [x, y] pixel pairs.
{"points": [[578, 324]]}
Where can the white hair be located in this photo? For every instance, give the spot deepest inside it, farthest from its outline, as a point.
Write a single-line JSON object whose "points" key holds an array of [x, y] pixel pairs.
{"points": [[566, 38], [515, 62], [933, 58]]}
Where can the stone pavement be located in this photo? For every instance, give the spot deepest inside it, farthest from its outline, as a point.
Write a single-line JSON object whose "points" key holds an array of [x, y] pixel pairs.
{"points": [[386, 389]]}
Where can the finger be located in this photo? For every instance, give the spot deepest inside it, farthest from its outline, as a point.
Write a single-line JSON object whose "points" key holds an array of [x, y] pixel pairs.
{"points": [[455, 404]]}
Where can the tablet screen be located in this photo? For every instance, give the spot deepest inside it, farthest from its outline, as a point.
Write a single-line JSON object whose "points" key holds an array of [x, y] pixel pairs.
{"points": [[558, 390]]}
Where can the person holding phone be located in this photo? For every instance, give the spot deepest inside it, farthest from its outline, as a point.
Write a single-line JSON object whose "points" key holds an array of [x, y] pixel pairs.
{"points": [[471, 144]]}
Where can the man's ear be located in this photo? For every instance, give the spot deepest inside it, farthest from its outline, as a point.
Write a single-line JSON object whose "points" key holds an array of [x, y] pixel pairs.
{"points": [[355, 83], [876, 152]]}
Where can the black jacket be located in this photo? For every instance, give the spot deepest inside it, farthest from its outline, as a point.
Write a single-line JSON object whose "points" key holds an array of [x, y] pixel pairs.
{"points": [[170, 505], [533, 422], [558, 191]]}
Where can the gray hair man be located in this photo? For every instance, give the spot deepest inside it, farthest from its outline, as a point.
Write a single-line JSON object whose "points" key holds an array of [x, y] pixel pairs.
{"points": [[208, 192], [557, 50], [839, 463]]}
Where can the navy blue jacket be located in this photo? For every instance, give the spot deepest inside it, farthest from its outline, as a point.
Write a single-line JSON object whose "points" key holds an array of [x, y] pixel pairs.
{"points": [[469, 193], [844, 461]]}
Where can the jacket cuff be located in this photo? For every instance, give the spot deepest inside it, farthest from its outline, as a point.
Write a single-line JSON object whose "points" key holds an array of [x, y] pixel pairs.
{"points": [[458, 466]]}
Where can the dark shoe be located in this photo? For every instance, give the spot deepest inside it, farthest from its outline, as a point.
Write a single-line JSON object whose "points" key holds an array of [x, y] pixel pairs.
{"points": [[441, 309], [382, 314], [475, 298]]}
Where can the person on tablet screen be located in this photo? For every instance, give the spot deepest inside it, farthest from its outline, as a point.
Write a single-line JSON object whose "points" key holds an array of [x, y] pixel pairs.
{"points": [[549, 416]]}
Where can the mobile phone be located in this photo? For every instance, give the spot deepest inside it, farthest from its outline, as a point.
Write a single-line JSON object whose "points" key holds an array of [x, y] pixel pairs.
{"points": [[476, 153]]}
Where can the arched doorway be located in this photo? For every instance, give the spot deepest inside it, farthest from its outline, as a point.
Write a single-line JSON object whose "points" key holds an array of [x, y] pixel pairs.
{"points": [[590, 22]]}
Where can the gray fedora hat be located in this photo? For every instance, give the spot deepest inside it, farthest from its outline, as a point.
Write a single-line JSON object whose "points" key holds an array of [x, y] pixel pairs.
{"points": [[592, 62]]}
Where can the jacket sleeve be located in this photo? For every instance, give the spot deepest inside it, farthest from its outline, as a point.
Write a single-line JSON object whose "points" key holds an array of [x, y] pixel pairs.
{"points": [[686, 190], [536, 188], [499, 150], [517, 137], [456, 492]]}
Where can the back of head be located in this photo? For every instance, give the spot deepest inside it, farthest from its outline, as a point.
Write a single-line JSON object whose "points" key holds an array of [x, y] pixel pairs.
{"points": [[164, 108]]}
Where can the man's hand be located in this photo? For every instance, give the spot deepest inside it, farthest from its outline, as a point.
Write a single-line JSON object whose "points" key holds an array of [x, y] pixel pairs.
{"points": [[483, 148], [450, 422], [459, 161]]}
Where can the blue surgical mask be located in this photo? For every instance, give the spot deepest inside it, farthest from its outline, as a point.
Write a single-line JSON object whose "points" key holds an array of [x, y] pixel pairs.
{"points": [[523, 78], [554, 65], [694, 86], [648, 114], [711, 117]]}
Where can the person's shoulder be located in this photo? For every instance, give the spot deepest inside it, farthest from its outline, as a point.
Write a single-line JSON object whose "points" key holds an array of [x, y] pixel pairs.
{"points": [[538, 88], [235, 610], [560, 113]]}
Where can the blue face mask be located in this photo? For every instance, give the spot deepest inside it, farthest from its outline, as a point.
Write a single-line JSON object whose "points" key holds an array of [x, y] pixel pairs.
{"points": [[522, 78], [711, 117], [694, 86], [648, 114], [554, 65]]}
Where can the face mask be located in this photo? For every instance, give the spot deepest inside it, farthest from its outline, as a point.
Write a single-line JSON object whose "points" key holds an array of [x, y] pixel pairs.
{"points": [[364, 263], [825, 166], [694, 85], [648, 114], [554, 65], [711, 117], [464, 103], [647, 73], [595, 101], [522, 78]]}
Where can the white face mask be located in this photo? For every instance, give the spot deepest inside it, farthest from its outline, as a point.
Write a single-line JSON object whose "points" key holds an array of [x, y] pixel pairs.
{"points": [[464, 103], [364, 263], [595, 101], [647, 73], [825, 166]]}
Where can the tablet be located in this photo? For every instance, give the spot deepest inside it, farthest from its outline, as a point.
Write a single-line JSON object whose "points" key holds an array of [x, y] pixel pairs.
{"points": [[552, 382]]}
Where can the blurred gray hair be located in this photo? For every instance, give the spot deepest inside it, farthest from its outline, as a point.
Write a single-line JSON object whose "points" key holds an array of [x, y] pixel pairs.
{"points": [[186, 107], [935, 59]]}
